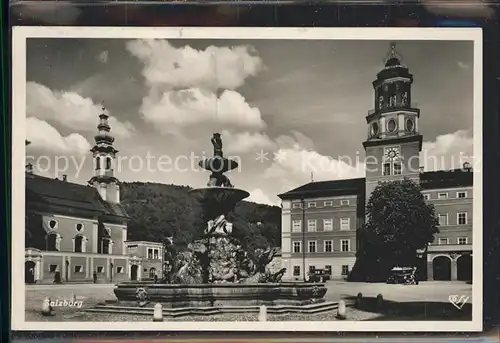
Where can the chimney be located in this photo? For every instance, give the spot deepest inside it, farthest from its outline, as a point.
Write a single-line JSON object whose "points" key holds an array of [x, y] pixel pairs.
{"points": [[65, 177]]}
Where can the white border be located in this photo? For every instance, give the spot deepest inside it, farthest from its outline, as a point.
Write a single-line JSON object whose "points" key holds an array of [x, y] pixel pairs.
{"points": [[20, 34]]}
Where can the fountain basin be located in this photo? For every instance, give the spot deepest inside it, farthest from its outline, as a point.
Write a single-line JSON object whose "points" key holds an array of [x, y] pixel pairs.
{"points": [[220, 295]]}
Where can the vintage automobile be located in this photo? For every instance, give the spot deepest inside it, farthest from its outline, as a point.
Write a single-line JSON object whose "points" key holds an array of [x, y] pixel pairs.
{"points": [[319, 275], [403, 275]]}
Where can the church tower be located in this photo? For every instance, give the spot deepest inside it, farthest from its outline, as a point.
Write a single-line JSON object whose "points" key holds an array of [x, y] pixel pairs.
{"points": [[393, 143], [104, 155]]}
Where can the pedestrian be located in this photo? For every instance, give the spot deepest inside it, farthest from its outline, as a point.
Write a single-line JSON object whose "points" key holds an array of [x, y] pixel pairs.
{"points": [[95, 277]]}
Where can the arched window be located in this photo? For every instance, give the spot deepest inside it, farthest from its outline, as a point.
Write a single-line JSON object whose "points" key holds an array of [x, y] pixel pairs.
{"points": [[79, 244], [108, 162], [52, 242], [98, 162]]}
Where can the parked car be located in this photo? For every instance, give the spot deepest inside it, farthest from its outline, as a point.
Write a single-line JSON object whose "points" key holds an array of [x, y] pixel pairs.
{"points": [[319, 275], [403, 275]]}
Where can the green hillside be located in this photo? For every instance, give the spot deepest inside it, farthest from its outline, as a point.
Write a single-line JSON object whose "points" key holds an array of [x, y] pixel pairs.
{"points": [[158, 211]]}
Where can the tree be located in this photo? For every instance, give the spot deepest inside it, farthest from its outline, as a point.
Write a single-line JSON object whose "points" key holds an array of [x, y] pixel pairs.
{"points": [[399, 222]]}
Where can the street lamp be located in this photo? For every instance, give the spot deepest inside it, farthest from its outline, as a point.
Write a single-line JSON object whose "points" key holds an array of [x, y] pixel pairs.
{"points": [[303, 239]]}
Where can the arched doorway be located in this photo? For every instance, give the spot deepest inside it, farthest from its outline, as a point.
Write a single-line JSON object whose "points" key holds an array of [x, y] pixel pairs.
{"points": [[133, 272], [29, 272], [441, 268], [464, 268], [152, 272]]}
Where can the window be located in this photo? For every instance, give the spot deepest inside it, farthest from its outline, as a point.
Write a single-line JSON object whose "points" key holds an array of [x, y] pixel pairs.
{"points": [[397, 168], [53, 268], [462, 240], [150, 253], [155, 254], [106, 246], [344, 202], [462, 218], [345, 224], [78, 269], [297, 205], [327, 224], [387, 169], [52, 224], [443, 241], [344, 245], [297, 247], [328, 203], [79, 227], [79, 244], [461, 194], [328, 246], [296, 225], [311, 204], [345, 269], [100, 269], [296, 270], [328, 269], [119, 270], [311, 225], [52, 242], [312, 246], [427, 197], [312, 270], [443, 219], [442, 195]]}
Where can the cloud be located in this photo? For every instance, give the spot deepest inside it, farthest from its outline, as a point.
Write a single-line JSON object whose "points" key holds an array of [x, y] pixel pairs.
{"points": [[45, 137], [184, 67], [70, 110], [244, 142], [448, 151], [103, 57], [258, 196], [298, 162], [195, 106], [189, 87]]}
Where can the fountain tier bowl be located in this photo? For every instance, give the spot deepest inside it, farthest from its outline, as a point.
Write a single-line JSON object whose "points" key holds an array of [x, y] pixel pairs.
{"points": [[218, 164], [220, 295], [219, 195]]}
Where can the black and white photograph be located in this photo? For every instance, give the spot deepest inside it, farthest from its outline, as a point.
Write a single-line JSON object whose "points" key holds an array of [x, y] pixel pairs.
{"points": [[247, 179]]}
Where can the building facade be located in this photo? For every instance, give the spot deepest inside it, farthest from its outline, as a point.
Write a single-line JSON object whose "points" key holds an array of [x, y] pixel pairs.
{"points": [[75, 232], [145, 259], [320, 220]]}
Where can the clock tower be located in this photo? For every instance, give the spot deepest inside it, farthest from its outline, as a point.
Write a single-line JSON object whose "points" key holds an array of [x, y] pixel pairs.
{"points": [[393, 143]]}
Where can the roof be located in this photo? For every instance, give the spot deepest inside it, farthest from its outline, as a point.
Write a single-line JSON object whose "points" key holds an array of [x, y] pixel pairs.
{"points": [[447, 179], [66, 196], [428, 180], [327, 188]]}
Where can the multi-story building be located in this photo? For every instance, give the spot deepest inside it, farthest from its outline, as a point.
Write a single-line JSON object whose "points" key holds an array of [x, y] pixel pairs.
{"points": [[146, 259], [75, 232], [320, 220]]}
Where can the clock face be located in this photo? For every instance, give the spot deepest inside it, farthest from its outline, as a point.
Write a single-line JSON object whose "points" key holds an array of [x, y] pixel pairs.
{"points": [[391, 125], [374, 129], [392, 153], [410, 125]]}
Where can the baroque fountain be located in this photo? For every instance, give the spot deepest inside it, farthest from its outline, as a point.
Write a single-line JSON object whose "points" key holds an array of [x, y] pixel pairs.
{"points": [[216, 271]]}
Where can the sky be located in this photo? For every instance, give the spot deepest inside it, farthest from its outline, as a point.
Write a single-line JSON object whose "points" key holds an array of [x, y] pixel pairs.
{"points": [[289, 111]]}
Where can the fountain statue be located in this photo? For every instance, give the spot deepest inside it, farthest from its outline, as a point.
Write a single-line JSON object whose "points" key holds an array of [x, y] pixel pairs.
{"points": [[216, 270]]}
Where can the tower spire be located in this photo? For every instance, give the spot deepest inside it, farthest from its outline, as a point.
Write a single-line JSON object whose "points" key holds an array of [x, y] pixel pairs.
{"points": [[393, 57], [104, 154]]}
